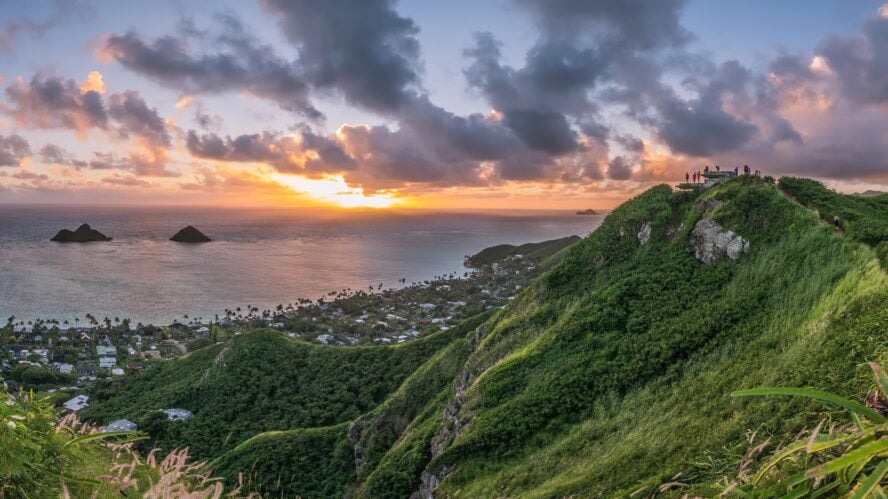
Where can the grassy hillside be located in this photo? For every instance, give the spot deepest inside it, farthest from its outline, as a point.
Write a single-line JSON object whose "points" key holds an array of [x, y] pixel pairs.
{"points": [[861, 217], [610, 375], [539, 252], [259, 381]]}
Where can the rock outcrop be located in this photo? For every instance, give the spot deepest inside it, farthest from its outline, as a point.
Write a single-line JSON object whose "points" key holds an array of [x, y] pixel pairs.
{"points": [[644, 235], [709, 242], [83, 234], [190, 235]]}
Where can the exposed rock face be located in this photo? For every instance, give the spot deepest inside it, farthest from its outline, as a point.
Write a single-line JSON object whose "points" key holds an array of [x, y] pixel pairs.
{"points": [[644, 235], [190, 235], [355, 432], [83, 234], [451, 427], [709, 242]]}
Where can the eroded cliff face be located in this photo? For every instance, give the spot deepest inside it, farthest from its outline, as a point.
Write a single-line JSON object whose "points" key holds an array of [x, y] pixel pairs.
{"points": [[710, 241]]}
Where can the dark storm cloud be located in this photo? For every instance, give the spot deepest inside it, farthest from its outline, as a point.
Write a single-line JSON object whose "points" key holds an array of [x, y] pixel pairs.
{"points": [[239, 63], [618, 168], [543, 130], [133, 117], [361, 48], [861, 62], [54, 102], [306, 153], [636, 24], [13, 149]]}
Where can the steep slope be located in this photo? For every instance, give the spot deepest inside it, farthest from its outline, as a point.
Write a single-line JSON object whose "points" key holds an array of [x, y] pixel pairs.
{"points": [[612, 375], [609, 375], [259, 381]]}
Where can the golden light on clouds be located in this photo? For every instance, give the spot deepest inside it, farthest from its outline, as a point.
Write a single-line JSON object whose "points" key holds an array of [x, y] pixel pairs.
{"points": [[93, 82], [333, 189], [883, 11], [819, 65], [183, 102]]}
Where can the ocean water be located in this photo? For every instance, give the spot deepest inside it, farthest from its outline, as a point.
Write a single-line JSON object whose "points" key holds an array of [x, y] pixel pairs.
{"points": [[258, 257]]}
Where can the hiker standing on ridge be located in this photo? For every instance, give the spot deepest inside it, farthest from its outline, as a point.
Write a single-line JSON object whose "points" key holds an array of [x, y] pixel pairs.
{"points": [[706, 169], [687, 177], [717, 168], [736, 171]]}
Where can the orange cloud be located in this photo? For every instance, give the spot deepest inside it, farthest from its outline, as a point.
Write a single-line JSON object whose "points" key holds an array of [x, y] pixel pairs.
{"points": [[93, 83], [183, 102]]}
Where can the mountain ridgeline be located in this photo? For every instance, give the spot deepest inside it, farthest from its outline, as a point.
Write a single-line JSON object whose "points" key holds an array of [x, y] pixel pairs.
{"points": [[609, 376]]}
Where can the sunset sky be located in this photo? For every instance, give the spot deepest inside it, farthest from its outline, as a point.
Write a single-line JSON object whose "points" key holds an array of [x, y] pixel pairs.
{"points": [[549, 104]]}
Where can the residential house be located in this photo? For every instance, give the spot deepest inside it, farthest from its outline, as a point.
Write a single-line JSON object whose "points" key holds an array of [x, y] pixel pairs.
{"points": [[76, 403]]}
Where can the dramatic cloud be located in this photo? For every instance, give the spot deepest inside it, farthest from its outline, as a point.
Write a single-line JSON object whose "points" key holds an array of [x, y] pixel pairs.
{"points": [[305, 152], [239, 62], [13, 149], [364, 49], [53, 102], [133, 117], [861, 62]]}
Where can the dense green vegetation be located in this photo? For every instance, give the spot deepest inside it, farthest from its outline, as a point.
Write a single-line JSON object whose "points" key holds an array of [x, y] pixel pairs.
{"points": [[259, 381], [610, 375], [862, 217], [535, 251]]}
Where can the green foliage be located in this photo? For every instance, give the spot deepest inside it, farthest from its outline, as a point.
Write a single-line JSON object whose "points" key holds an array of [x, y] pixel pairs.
{"points": [[862, 217], [536, 251], [849, 459], [199, 343], [37, 377], [37, 457], [260, 381], [608, 376]]}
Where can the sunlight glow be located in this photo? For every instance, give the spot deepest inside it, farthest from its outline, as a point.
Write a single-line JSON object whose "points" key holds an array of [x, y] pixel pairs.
{"points": [[334, 190]]}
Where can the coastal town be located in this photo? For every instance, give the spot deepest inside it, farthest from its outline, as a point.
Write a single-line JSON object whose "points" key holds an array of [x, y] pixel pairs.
{"points": [[69, 358]]}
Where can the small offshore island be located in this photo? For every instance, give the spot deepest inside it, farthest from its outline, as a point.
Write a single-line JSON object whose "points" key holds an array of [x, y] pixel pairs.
{"points": [[588, 211], [190, 235], [83, 234]]}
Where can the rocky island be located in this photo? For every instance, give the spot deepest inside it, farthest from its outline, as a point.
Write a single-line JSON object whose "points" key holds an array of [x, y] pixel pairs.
{"points": [[83, 234], [190, 235], [588, 211]]}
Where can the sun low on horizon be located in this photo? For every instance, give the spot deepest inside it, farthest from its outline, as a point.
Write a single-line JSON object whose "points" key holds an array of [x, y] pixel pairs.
{"points": [[526, 103], [333, 190]]}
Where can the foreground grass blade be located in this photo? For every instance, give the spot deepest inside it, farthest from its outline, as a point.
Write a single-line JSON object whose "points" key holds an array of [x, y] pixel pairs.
{"points": [[881, 378], [864, 453], [854, 407], [869, 484]]}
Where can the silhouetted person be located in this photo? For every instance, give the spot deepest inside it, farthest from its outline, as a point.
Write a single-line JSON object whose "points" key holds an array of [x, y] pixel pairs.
{"points": [[717, 168], [736, 171], [706, 169], [687, 177]]}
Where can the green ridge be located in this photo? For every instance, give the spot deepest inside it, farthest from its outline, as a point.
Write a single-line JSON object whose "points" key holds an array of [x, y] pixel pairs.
{"points": [[611, 374]]}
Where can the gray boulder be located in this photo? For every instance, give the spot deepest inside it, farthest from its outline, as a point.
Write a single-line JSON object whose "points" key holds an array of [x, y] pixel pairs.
{"points": [[644, 235], [710, 241]]}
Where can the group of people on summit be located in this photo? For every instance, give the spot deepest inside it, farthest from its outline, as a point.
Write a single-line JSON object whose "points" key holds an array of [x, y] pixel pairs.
{"points": [[697, 177]]}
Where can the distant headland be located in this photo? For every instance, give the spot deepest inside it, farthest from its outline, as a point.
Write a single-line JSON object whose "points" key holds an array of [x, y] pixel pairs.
{"points": [[588, 211], [190, 235], [83, 234]]}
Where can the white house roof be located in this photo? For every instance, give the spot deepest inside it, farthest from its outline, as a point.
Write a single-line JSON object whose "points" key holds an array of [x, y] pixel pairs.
{"points": [[175, 414], [121, 425], [77, 403]]}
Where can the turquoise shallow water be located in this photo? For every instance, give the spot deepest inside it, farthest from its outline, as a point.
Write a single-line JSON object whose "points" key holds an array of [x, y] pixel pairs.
{"points": [[259, 257]]}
